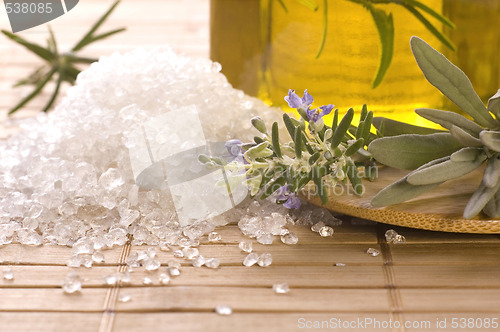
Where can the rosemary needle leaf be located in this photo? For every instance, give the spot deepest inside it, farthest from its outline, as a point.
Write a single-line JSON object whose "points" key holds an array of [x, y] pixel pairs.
{"points": [[34, 92], [87, 39], [38, 50]]}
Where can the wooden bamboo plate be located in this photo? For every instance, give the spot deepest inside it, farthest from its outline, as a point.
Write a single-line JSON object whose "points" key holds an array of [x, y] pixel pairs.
{"points": [[437, 210]]}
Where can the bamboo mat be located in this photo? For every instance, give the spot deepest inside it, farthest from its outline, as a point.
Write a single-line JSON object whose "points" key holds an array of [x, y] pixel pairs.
{"points": [[432, 278]]}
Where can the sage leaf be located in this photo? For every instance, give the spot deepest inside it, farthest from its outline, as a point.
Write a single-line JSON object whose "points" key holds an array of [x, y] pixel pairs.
{"points": [[38, 50], [389, 127], [259, 124], [335, 119], [479, 199], [276, 140], [385, 28], [342, 128], [464, 137], [494, 105], [444, 171], [398, 192], [466, 154], [491, 139], [450, 80], [491, 174], [299, 145], [411, 151], [492, 208], [448, 119]]}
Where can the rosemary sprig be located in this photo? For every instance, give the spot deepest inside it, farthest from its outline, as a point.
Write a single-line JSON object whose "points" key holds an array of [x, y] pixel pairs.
{"points": [[320, 154], [61, 65], [385, 26]]}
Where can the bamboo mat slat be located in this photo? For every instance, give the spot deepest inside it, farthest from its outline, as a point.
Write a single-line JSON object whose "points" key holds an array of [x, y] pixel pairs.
{"points": [[434, 276]]}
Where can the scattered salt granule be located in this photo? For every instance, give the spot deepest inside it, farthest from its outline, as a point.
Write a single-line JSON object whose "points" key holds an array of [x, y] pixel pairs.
{"points": [[245, 246], [164, 278], [265, 260], [289, 238], [251, 259], [98, 257], [339, 264], [147, 281], [281, 288], [198, 261], [67, 177], [326, 231], [372, 252], [212, 263], [317, 227], [223, 310], [124, 298], [391, 236], [214, 237], [8, 274], [72, 283]]}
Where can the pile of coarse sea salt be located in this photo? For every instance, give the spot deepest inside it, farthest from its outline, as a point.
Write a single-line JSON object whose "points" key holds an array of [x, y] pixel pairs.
{"points": [[67, 177]]}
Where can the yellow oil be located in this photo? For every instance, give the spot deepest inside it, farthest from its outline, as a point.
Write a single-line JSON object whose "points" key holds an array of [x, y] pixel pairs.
{"points": [[344, 72]]}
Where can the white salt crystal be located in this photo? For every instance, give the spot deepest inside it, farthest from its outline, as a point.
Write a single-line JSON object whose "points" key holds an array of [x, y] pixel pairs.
{"points": [[281, 288], [223, 310], [265, 260], [72, 283], [251, 259]]}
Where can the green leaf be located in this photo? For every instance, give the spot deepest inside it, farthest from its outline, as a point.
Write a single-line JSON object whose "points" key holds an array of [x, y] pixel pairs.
{"points": [[364, 113], [389, 127], [438, 34], [385, 28], [494, 105], [320, 188], [358, 144], [464, 137], [106, 35], [491, 174], [314, 157], [325, 29], [411, 151], [365, 134], [282, 4], [398, 192], [54, 94], [273, 186], [490, 139], [88, 37], [448, 119], [38, 88], [38, 50], [479, 199], [451, 81], [310, 4], [276, 140], [258, 151], [342, 128], [259, 124], [335, 119], [492, 209], [354, 178], [432, 12], [299, 145], [466, 154], [444, 171], [289, 125]]}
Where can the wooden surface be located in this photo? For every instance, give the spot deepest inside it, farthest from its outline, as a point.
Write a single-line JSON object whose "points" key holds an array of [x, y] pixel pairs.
{"points": [[435, 276], [440, 209]]}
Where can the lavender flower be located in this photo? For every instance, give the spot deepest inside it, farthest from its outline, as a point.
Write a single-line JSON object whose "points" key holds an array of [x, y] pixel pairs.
{"points": [[316, 114], [294, 101], [291, 200], [234, 147]]}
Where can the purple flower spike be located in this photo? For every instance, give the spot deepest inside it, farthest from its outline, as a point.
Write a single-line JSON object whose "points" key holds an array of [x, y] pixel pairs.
{"points": [[293, 202], [294, 101], [317, 113], [284, 194], [234, 147]]}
